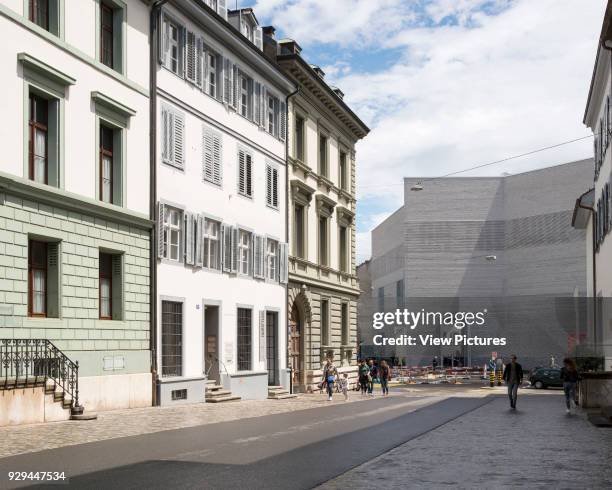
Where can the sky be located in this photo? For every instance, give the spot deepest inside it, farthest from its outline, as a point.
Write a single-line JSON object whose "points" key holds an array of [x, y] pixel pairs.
{"points": [[445, 85]]}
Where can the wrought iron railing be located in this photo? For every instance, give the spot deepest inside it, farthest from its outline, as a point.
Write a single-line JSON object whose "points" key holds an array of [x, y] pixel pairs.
{"points": [[31, 362]]}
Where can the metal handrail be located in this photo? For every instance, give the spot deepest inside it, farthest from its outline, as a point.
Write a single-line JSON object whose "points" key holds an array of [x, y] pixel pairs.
{"points": [[26, 361]]}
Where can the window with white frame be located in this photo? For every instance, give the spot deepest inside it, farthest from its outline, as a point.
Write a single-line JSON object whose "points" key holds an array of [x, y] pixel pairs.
{"points": [[272, 115], [173, 221], [211, 244], [173, 128], [272, 186], [210, 86], [244, 95], [247, 30], [271, 261], [244, 252], [245, 173], [173, 52]]}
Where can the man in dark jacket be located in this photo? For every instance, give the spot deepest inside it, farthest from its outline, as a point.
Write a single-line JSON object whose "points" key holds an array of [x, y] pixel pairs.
{"points": [[513, 376]]}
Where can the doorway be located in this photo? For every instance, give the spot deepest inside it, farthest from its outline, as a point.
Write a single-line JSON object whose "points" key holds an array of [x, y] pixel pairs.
{"points": [[295, 346], [211, 342], [271, 347]]}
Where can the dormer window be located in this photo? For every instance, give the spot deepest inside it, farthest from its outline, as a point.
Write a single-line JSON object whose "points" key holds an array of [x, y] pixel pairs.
{"points": [[247, 30]]}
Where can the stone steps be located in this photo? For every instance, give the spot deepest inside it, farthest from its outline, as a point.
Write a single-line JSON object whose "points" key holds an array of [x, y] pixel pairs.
{"points": [[279, 393], [217, 394]]}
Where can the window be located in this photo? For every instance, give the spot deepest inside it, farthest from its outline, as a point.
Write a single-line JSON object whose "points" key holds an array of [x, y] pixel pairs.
{"points": [[299, 247], [247, 30], [272, 186], [343, 248], [299, 138], [325, 340], [323, 155], [212, 146], [323, 241], [110, 286], [343, 181], [38, 139], [399, 293], [245, 169], [106, 164], [344, 323], [272, 115], [37, 272], [45, 14], [244, 252], [211, 246], [172, 338], [244, 96], [172, 54], [106, 286], [244, 339], [179, 394], [211, 78], [271, 263], [173, 124], [106, 35], [172, 229]]}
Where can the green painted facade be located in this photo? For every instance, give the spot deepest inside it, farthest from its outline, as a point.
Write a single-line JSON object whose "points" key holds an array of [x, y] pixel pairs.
{"points": [[102, 347]]}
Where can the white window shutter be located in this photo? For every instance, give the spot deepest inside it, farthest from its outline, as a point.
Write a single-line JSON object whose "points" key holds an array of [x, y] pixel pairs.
{"points": [[162, 38], [283, 263], [190, 57], [207, 155], [199, 231], [264, 107], [199, 62], [161, 217], [236, 86], [227, 81], [222, 8], [179, 130], [258, 37], [257, 103], [235, 238], [250, 97], [226, 232], [167, 136], [189, 239], [283, 121], [262, 336], [217, 159], [258, 256]]}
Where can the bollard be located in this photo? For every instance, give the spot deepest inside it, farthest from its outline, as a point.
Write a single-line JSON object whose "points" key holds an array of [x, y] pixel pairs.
{"points": [[492, 377], [499, 377]]}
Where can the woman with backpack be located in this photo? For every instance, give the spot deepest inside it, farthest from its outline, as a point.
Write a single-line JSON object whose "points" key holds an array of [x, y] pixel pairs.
{"points": [[330, 373], [384, 374]]}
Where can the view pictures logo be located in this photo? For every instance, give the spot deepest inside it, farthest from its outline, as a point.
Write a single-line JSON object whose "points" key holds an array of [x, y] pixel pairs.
{"points": [[414, 319]]}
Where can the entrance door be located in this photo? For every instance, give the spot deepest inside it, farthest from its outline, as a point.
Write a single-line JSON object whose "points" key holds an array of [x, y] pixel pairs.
{"points": [[295, 344], [211, 342], [271, 349]]}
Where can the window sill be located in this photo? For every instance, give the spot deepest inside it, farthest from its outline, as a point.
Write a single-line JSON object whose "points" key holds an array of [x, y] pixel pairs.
{"points": [[44, 322]]}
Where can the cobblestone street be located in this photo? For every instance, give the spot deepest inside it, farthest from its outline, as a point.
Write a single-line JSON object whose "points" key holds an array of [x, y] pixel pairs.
{"points": [[538, 446]]}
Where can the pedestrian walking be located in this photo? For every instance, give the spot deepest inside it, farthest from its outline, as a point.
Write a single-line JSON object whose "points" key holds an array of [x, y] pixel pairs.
{"points": [[344, 386], [363, 377], [330, 373], [372, 374], [385, 376], [570, 377], [513, 376]]}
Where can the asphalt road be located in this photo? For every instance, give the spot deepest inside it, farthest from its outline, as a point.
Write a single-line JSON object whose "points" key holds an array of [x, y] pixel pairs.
{"points": [[293, 450]]}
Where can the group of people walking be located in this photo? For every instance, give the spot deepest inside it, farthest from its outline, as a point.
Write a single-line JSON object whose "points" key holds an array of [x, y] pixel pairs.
{"points": [[370, 372]]}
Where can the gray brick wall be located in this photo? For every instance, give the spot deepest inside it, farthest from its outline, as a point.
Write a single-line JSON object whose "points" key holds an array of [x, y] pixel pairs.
{"points": [[78, 331]]}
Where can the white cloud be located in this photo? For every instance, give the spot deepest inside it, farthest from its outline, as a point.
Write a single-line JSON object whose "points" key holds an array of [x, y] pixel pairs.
{"points": [[458, 94]]}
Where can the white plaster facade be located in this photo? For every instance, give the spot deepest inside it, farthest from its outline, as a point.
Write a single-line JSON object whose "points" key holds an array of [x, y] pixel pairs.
{"points": [[210, 296]]}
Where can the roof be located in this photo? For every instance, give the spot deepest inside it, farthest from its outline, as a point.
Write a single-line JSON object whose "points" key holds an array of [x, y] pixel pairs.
{"points": [[582, 209]]}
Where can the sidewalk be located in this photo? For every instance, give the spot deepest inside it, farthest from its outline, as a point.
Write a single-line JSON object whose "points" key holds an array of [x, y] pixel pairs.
{"points": [[538, 446]]}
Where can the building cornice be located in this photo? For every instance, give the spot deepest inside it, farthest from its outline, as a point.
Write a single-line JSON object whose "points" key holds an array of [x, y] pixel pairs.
{"points": [[67, 200], [301, 191]]}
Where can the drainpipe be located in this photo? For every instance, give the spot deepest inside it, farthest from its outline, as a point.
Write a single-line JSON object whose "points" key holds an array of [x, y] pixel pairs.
{"points": [[153, 191], [591, 209], [286, 326]]}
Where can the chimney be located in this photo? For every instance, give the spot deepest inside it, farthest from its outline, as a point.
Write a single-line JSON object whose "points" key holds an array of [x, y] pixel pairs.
{"points": [[270, 46], [318, 71], [289, 46]]}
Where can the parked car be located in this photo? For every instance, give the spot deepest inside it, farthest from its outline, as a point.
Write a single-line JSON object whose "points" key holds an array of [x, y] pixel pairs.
{"points": [[545, 377]]}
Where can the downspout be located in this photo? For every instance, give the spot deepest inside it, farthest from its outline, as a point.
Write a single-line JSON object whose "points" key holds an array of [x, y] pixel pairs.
{"points": [[591, 209], [153, 192], [286, 326]]}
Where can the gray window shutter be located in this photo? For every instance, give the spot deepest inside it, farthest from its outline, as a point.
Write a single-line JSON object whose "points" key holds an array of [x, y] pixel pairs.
{"points": [[227, 81], [258, 256], [262, 336], [249, 174], [207, 155], [222, 8], [241, 172], [53, 279], [269, 185], [226, 232], [217, 158], [189, 239], [257, 35], [190, 57], [179, 130], [117, 287], [250, 89], [264, 107], [236, 86], [162, 38], [167, 130], [235, 237], [161, 217], [275, 187], [283, 121], [199, 62], [283, 263], [257, 103], [199, 231]]}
